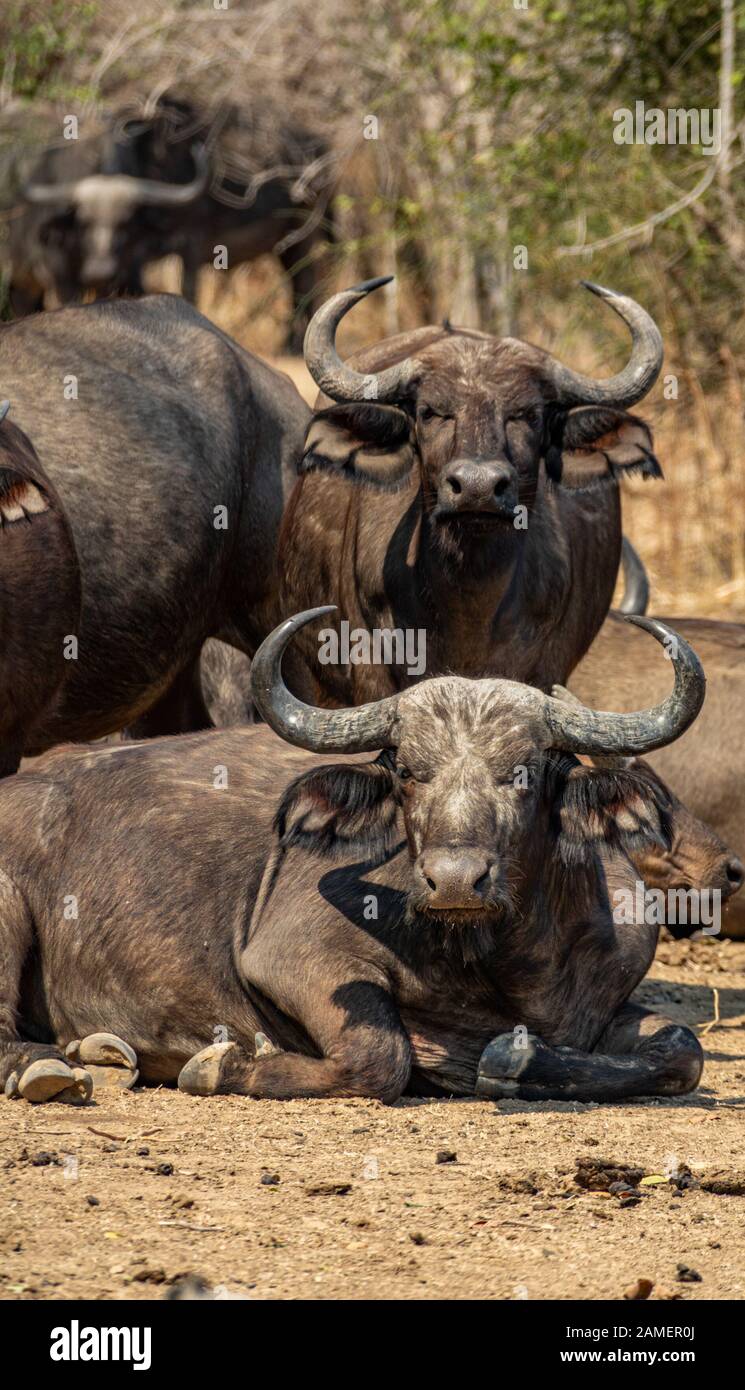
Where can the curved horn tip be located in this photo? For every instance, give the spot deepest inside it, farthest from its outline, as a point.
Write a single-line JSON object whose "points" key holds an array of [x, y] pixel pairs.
{"points": [[367, 286], [602, 290], [662, 632], [4, 408], [653, 625], [299, 620]]}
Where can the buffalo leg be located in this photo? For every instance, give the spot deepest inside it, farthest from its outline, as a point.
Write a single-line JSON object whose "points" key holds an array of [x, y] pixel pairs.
{"points": [[302, 274], [35, 1071], [639, 1054], [180, 711], [227, 1069], [24, 301], [367, 1055], [189, 280]]}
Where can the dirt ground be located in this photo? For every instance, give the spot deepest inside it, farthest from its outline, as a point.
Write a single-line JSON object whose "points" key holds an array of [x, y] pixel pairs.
{"points": [[421, 1200]]}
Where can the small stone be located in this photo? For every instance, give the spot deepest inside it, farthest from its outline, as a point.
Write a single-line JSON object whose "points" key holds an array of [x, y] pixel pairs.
{"points": [[149, 1276], [143, 1151], [43, 1159], [446, 1156], [270, 1179], [164, 1169], [93, 1201], [686, 1275], [639, 1291]]}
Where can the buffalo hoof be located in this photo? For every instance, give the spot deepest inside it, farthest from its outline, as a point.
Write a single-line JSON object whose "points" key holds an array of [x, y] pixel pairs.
{"points": [[202, 1075], [503, 1064], [49, 1079], [263, 1047], [108, 1059]]}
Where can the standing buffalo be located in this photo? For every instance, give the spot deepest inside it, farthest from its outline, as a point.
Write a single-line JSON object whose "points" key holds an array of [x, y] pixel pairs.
{"points": [[439, 920], [171, 450], [710, 784], [462, 491], [39, 594], [74, 232], [178, 181]]}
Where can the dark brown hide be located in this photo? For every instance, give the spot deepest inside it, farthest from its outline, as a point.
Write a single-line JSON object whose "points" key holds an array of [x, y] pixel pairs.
{"points": [[172, 462], [704, 767], [405, 517], [320, 931], [39, 595]]}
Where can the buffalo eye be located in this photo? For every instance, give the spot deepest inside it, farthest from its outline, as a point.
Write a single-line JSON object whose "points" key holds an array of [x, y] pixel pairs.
{"points": [[428, 412], [404, 773], [531, 419]]}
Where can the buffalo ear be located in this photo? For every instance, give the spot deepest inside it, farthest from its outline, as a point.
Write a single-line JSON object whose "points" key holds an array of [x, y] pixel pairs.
{"points": [[594, 444], [338, 809], [366, 442], [619, 809]]}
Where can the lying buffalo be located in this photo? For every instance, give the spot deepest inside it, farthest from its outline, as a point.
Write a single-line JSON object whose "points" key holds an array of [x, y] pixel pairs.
{"points": [[171, 449], [694, 859], [704, 768], [690, 867], [438, 920], [463, 491], [39, 594]]}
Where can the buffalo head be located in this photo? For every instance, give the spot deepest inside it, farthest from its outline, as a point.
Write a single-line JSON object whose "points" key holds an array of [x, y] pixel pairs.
{"points": [[693, 857], [482, 774], [478, 414], [99, 220]]}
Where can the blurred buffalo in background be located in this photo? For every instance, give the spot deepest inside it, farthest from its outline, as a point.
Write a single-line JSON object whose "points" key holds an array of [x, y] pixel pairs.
{"points": [[212, 187]]}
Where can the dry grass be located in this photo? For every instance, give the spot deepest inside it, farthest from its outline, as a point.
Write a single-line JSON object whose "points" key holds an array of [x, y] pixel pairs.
{"points": [[690, 530]]}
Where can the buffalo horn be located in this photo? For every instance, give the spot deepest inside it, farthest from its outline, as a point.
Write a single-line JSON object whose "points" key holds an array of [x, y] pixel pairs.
{"points": [[635, 581], [357, 730], [152, 191], [639, 374], [576, 729], [339, 381]]}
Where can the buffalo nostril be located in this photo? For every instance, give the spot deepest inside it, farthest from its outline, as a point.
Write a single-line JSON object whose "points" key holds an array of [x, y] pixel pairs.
{"points": [[482, 882], [501, 486], [454, 485], [430, 883], [735, 872]]}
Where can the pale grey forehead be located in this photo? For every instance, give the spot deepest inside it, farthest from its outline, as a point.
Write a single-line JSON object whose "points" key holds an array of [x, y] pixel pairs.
{"points": [[500, 711], [106, 196], [469, 354]]}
